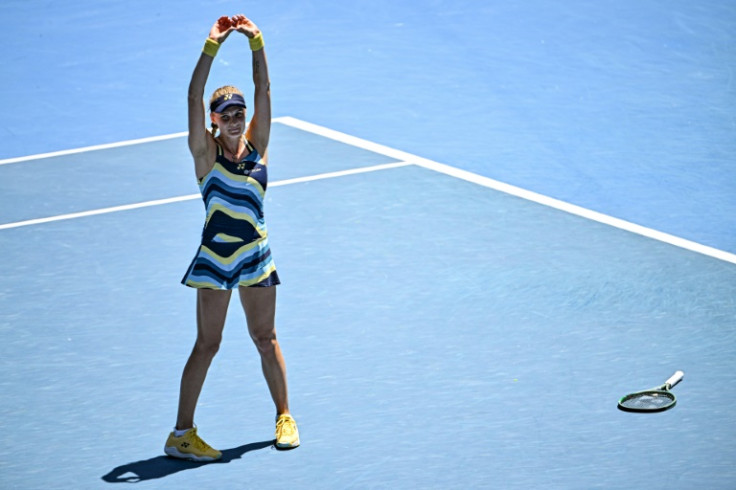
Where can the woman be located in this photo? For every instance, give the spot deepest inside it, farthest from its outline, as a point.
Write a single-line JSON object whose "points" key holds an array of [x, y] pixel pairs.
{"points": [[232, 175]]}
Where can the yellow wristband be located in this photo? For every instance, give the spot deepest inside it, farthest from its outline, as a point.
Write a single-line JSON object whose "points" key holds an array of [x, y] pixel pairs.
{"points": [[256, 42], [210, 47]]}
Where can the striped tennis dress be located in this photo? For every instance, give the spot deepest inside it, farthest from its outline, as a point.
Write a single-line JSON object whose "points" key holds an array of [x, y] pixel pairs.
{"points": [[234, 250]]}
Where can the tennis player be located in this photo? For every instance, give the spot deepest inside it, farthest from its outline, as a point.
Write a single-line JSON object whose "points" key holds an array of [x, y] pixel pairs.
{"points": [[230, 165]]}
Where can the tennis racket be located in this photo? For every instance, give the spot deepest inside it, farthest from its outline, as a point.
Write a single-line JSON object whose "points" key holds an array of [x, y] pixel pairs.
{"points": [[652, 400]]}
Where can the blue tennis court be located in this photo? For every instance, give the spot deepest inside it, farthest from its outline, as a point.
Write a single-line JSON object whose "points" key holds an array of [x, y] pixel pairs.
{"points": [[468, 288]]}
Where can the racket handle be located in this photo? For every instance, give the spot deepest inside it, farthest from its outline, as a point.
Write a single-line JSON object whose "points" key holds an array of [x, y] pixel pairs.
{"points": [[674, 379]]}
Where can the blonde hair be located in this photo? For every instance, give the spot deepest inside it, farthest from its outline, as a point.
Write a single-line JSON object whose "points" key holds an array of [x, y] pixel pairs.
{"points": [[227, 89]]}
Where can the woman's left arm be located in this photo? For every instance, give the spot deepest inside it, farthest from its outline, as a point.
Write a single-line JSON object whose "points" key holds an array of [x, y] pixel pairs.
{"points": [[259, 129]]}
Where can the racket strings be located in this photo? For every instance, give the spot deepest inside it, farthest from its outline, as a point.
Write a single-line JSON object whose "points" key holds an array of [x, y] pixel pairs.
{"points": [[648, 400]]}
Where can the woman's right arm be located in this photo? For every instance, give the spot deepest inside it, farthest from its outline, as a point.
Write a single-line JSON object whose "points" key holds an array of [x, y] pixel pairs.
{"points": [[201, 144]]}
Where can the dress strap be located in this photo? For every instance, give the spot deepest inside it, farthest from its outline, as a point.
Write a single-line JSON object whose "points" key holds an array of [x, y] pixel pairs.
{"points": [[220, 151]]}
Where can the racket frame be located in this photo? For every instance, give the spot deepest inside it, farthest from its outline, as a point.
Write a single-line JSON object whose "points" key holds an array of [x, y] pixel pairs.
{"points": [[656, 391]]}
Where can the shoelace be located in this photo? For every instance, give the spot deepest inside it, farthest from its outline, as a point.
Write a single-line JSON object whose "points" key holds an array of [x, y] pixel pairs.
{"points": [[286, 425]]}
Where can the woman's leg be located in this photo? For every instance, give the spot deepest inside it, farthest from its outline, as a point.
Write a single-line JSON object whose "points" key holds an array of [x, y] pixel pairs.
{"points": [[211, 312], [259, 304]]}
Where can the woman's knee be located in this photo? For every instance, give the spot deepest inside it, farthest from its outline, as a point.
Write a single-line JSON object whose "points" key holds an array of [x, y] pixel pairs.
{"points": [[211, 312], [208, 346], [265, 342]]}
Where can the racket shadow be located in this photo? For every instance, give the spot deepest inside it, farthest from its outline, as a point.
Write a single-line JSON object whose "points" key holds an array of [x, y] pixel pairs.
{"points": [[163, 466]]}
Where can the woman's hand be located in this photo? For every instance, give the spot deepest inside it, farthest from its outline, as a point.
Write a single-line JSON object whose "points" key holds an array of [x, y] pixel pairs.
{"points": [[244, 25], [222, 29]]}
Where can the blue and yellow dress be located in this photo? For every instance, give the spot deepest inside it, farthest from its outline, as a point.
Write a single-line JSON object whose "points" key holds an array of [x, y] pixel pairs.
{"points": [[234, 250]]}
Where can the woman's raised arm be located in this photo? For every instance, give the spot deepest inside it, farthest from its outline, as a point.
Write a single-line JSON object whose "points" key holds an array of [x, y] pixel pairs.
{"points": [[259, 129], [199, 142]]}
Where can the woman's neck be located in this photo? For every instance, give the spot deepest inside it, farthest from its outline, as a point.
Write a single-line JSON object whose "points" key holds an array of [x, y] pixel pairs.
{"points": [[232, 145]]}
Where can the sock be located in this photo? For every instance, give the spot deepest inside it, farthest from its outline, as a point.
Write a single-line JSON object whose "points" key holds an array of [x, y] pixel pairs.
{"points": [[179, 433]]}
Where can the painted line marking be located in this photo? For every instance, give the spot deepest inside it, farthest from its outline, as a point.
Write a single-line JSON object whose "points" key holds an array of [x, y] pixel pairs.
{"points": [[105, 146], [85, 149], [93, 212], [403, 159], [340, 173], [189, 197], [511, 190]]}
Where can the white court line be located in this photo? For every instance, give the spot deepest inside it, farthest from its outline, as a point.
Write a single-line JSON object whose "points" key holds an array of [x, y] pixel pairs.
{"points": [[404, 158], [340, 173], [511, 190], [189, 197], [106, 146], [93, 212]]}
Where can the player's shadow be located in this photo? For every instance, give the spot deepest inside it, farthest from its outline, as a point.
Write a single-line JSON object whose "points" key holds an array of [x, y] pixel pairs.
{"points": [[162, 466]]}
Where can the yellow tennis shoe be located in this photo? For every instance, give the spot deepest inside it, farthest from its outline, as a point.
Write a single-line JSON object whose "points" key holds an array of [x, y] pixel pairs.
{"points": [[190, 446], [287, 435]]}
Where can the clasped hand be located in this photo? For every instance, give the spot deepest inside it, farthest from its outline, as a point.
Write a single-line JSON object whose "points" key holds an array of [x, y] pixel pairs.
{"points": [[225, 25]]}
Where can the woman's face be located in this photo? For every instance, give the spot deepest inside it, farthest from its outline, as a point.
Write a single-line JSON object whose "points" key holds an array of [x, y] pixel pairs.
{"points": [[231, 121]]}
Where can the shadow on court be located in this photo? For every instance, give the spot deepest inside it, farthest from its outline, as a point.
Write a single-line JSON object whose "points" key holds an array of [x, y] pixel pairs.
{"points": [[162, 466]]}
